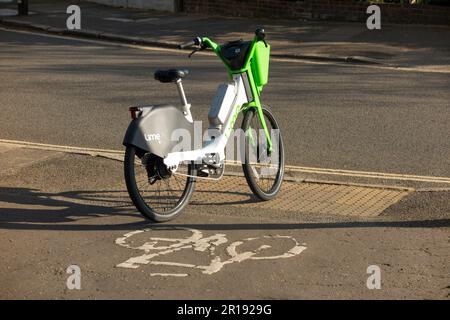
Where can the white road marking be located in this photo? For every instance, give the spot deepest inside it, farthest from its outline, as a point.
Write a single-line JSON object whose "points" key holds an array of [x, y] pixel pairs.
{"points": [[368, 174], [130, 20], [54, 147], [431, 69], [197, 242], [169, 274], [118, 19], [118, 154]]}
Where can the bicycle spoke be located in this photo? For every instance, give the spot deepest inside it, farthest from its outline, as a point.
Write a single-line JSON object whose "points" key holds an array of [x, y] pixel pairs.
{"points": [[165, 193], [264, 171]]}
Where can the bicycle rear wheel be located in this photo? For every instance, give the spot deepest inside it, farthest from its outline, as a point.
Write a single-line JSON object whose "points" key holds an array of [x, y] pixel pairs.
{"points": [[263, 170], [159, 194]]}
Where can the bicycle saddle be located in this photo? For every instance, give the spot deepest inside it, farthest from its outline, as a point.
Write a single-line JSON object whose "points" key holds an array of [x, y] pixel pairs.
{"points": [[171, 75]]}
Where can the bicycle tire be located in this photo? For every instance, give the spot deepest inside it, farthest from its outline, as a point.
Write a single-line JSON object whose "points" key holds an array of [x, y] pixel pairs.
{"points": [[144, 207], [249, 172]]}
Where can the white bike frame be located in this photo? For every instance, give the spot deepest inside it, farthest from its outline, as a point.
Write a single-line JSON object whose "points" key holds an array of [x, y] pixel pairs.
{"points": [[218, 144]]}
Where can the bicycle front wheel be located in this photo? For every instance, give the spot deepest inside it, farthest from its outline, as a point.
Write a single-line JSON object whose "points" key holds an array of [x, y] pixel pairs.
{"points": [[263, 170], [159, 194]]}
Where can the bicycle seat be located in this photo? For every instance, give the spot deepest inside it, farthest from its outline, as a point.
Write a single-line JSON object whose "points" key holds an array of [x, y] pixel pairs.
{"points": [[171, 75]]}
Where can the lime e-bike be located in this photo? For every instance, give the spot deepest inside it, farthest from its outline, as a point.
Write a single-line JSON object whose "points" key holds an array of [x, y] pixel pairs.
{"points": [[161, 162]]}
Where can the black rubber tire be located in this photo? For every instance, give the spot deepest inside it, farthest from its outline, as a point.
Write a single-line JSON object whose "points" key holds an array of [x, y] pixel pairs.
{"points": [[248, 172], [139, 202]]}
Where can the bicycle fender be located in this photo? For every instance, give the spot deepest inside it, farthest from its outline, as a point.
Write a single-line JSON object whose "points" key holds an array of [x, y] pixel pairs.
{"points": [[156, 129]]}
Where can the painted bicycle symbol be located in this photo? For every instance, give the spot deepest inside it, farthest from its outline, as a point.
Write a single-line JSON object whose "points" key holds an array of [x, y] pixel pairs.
{"points": [[157, 247]]}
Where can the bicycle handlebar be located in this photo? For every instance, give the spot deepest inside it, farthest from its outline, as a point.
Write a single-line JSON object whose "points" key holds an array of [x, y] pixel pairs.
{"points": [[260, 35], [197, 41], [186, 45]]}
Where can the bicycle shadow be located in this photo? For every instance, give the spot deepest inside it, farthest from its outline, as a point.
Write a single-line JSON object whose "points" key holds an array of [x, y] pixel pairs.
{"points": [[215, 198], [32, 209]]}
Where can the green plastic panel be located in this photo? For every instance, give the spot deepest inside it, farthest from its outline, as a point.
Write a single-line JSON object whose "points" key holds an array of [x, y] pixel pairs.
{"points": [[260, 64]]}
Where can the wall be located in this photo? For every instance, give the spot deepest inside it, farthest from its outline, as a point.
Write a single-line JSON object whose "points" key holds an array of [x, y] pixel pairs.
{"points": [[163, 5], [337, 10]]}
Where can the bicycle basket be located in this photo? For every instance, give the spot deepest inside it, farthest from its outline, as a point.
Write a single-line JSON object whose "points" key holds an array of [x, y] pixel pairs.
{"points": [[260, 64], [234, 53]]}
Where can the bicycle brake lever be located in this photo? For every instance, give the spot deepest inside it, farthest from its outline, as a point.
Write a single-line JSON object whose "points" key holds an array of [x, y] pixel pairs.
{"points": [[202, 47], [193, 52]]}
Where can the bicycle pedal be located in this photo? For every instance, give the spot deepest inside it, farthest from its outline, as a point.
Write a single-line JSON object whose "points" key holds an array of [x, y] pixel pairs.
{"points": [[212, 160], [203, 173], [209, 171]]}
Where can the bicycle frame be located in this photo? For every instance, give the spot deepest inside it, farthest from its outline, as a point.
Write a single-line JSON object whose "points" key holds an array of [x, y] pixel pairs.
{"points": [[240, 104], [256, 103]]}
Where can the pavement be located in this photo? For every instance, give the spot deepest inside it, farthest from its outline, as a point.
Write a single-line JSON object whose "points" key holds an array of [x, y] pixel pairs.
{"points": [[403, 46]]}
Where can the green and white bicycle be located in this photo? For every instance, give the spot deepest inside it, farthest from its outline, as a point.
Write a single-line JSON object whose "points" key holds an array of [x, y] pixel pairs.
{"points": [[161, 163]]}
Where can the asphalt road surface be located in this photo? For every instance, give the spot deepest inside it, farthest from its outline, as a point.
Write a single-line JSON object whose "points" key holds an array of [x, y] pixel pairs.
{"points": [[60, 210], [74, 210], [69, 92]]}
